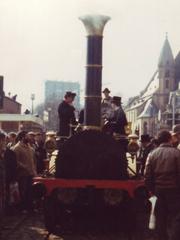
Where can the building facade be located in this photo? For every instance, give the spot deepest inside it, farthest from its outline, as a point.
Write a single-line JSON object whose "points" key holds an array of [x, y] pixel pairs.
{"points": [[11, 118], [152, 110]]}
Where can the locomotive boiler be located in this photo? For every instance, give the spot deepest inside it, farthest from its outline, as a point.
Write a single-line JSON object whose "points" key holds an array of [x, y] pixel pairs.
{"points": [[91, 187]]}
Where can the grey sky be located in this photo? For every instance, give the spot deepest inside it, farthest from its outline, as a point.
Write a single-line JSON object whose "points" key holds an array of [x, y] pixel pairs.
{"points": [[43, 39]]}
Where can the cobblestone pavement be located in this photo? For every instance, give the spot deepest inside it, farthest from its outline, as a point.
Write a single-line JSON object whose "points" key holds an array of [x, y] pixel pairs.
{"points": [[31, 227]]}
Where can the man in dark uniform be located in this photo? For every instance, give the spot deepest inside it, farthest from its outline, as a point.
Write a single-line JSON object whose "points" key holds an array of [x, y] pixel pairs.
{"points": [[66, 115], [118, 122]]}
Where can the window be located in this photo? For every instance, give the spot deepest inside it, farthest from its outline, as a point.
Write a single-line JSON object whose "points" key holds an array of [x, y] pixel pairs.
{"points": [[167, 73], [167, 84]]}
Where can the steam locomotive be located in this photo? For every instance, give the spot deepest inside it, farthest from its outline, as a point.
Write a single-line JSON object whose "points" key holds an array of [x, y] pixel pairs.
{"points": [[91, 187]]}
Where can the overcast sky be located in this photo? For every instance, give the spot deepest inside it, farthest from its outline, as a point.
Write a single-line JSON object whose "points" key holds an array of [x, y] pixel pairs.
{"points": [[44, 40]]}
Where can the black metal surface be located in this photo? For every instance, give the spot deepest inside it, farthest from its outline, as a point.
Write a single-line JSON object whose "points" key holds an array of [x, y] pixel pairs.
{"points": [[92, 113], [92, 154]]}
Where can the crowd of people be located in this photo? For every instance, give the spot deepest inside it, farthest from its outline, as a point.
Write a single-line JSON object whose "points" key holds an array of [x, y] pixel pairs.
{"points": [[22, 157], [158, 163], [158, 159]]}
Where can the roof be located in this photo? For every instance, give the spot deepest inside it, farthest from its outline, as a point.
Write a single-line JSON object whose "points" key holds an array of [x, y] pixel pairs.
{"points": [[150, 110], [146, 94], [7, 117], [166, 56]]}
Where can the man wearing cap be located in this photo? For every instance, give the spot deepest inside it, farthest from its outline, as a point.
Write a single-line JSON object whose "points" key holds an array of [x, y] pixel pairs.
{"points": [[66, 115], [106, 108], [26, 169]]}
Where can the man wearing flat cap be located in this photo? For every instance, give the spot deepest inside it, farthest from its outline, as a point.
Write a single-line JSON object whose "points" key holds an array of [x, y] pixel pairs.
{"points": [[66, 115]]}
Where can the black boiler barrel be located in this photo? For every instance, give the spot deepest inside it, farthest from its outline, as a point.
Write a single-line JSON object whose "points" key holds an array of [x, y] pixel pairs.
{"points": [[94, 25]]}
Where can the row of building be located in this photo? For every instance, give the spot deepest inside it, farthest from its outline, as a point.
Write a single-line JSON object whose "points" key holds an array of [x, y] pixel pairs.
{"points": [[11, 118]]}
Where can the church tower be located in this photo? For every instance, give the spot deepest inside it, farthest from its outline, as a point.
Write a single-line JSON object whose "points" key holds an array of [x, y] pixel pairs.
{"points": [[166, 75], [177, 70]]}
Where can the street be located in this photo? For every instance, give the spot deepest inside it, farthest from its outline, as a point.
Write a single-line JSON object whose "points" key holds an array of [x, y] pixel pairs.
{"points": [[31, 227]]}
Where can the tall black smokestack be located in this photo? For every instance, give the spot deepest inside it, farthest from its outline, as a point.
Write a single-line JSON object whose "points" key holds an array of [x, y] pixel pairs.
{"points": [[94, 25]]}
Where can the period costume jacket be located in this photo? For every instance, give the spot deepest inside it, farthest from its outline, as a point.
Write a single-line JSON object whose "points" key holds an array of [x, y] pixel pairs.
{"points": [[66, 117]]}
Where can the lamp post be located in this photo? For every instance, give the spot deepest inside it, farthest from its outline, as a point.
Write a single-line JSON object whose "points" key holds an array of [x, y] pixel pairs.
{"points": [[32, 99], [173, 108], [174, 103], [49, 117]]}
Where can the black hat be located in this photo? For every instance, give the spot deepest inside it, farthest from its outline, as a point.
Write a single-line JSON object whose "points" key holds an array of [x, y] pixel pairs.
{"points": [[116, 100], [106, 90], [145, 138], [70, 94]]}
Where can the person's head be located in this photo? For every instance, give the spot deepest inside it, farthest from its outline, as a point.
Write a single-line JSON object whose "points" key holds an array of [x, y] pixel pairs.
{"points": [[176, 131], [2, 141], [154, 142], [145, 139], [51, 134], [116, 101], [174, 139], [12, 137], [39, 137], [31, 137], [106, 92], [164, 136], [22, 136], [69, 97]]}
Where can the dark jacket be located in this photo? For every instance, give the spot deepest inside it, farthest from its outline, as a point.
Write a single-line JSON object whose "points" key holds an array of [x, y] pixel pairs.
{"points": [[143, 154], [10, 165], [66, 117], [40, 155], [119, 121], [162, 169]]}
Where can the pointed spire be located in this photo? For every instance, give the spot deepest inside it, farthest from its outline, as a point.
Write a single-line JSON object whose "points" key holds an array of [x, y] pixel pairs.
{"points": [[166, 35], [166, 56]]}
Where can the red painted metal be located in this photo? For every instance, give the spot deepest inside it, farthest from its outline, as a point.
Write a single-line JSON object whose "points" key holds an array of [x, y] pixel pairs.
{"points": [[129, 185]]}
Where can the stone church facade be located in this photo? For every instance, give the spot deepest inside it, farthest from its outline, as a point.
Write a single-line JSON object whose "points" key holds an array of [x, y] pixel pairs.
{"points": [[158, 105]]}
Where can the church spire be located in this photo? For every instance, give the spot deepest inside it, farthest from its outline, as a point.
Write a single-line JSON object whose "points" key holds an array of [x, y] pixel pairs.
{"points": [[166, 56]]}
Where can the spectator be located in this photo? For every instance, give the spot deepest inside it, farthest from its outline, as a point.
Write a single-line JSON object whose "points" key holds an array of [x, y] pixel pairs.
{"points": [[145, 148], [25, 169], [162, 178], [31, 139], [2, 174], [176, 135], [40, 152], [11, 139]]}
